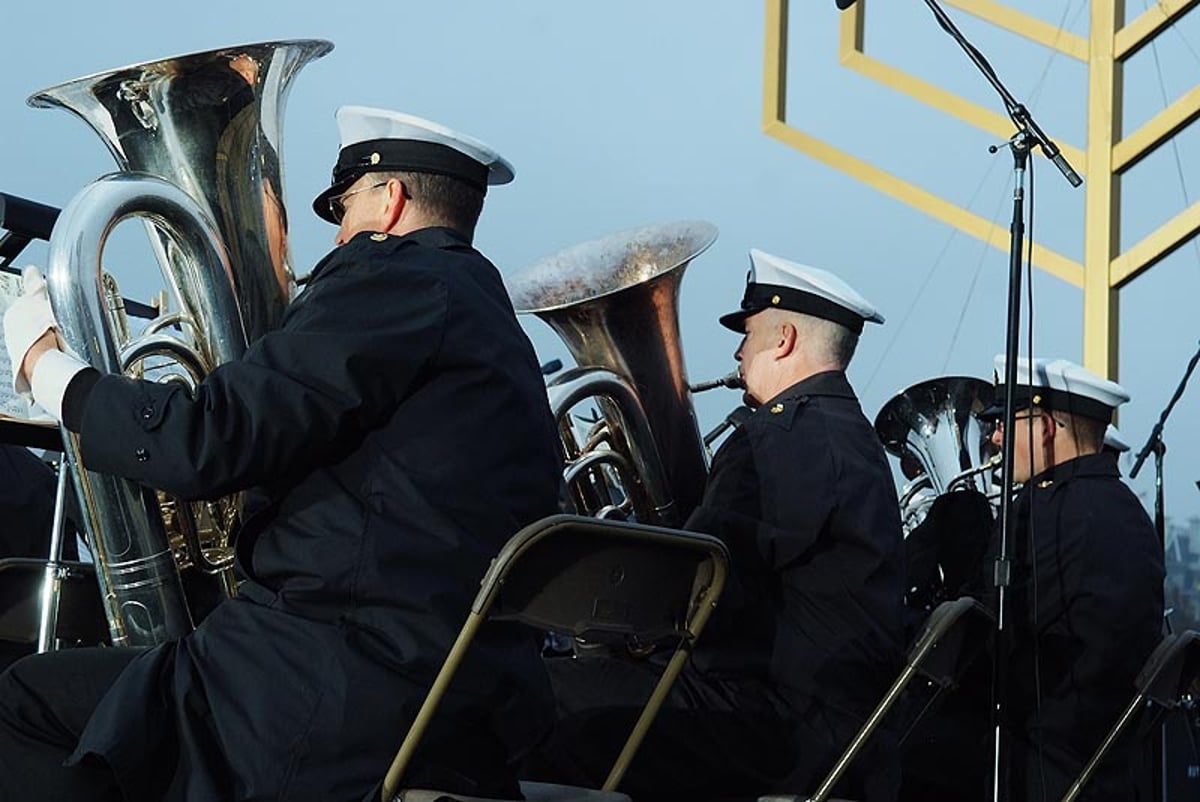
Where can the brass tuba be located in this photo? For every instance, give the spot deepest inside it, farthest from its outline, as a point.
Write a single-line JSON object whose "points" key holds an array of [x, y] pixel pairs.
{"points": [[198, 138], [932, 429], [614, 301]]}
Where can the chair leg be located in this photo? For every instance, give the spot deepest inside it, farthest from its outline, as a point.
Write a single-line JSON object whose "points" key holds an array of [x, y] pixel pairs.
{"points": [[1077, 787]]}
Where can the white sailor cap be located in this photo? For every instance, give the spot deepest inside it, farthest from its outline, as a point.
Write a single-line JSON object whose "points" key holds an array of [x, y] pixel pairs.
{"points": [[1060, 385], [378, 140], [778, 283], [1114, 441]]}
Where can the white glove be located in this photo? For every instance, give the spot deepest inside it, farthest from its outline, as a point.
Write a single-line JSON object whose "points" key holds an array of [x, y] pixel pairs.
{"points": [[25, 321]]}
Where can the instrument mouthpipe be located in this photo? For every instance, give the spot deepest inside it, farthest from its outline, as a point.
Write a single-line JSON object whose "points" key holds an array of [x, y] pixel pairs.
{"points": [[732, 380]]}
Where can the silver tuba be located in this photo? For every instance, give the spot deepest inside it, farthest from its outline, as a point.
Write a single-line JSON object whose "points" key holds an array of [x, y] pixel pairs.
{"points": [[932, 429], [615, 303], [198, 138]]}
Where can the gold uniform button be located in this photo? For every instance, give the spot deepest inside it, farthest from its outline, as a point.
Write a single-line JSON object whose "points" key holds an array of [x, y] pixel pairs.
{"points": [[380, 237], [775, 410]]}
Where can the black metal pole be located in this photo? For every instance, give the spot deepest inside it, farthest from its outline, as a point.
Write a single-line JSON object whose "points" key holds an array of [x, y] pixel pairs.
{"points": [[1158, 752], [1002, 570], [1028, 136], [1156, 432]]}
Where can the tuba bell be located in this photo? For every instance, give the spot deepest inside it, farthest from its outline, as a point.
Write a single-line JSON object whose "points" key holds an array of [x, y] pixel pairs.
{"points": [[614, 302], [198, 140], [932, 430]]}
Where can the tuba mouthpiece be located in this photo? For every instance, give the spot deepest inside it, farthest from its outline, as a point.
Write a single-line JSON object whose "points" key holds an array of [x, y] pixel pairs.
{"points": [[732, 380]]}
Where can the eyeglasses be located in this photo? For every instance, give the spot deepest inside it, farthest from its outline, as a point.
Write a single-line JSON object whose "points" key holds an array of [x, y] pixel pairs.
{"points": [[337, 204]]}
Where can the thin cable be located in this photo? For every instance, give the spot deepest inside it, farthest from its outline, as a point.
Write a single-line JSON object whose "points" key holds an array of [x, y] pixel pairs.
{"points": [[1032, 546], [962, 312], [1035, 93], [1186, 43], [925, 283], [1162, 88]]}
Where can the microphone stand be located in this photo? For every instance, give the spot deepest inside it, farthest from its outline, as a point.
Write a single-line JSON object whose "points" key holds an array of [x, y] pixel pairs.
{"points": [[1029, 135], [1154, 444]]}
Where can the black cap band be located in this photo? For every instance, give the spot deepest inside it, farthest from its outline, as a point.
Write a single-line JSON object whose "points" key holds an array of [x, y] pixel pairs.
{"points": [[767, 296], [1025, 396], [381, 155]]}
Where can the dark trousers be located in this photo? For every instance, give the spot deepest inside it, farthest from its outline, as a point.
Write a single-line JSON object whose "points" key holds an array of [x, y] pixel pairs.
{"points": [[712, 740], [45, 702]]}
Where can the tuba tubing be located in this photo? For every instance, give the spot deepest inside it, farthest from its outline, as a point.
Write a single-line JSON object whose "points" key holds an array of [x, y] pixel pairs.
{"points": [[627, 418], [931, 428], [140, 582], [197, 138]]}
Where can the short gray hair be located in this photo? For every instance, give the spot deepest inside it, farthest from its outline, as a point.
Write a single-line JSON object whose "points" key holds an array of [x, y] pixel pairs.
{"points": [[825, 340]]}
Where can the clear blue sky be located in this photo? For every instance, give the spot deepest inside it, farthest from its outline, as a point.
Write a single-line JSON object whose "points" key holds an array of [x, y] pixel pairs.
{"points": [[629, 112]]}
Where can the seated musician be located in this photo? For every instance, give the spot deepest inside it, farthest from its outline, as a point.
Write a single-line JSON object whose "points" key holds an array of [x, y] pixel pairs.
{"points": [[807, 635], [1086, 605], [394, 433]]}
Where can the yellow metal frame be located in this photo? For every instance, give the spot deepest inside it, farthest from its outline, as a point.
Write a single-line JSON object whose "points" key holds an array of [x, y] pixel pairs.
{"points": [[1105, 267]]}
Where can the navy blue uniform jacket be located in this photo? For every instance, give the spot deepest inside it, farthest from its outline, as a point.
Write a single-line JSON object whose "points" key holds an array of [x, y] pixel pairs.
{"points": [[395, 432], [1087, 607], [803, 496]]}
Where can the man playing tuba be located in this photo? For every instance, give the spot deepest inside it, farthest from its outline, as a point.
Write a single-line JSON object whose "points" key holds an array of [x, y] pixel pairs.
{"points": [[368, 526], [1085, 604], [808, 632]]}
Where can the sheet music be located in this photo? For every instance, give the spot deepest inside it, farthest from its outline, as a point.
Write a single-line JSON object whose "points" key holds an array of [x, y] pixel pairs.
{"points": [[12, 406]]}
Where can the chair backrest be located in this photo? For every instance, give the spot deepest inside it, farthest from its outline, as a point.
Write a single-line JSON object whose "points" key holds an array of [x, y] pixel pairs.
{"points": [[604, 580], [954, 635], [1170, 674], [1172, 671]]}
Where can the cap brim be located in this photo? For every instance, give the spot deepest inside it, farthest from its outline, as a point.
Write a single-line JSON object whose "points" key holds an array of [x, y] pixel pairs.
{"points": [[736, 321], [320, 204]]}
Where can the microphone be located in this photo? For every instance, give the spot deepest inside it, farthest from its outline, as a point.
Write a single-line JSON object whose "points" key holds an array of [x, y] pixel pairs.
{"points": [[731, 380], [26, 218]]}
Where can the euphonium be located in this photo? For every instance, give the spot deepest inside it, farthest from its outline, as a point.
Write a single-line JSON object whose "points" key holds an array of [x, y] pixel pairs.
{"points": [[198, 137], [614, 302], [931, 427]]}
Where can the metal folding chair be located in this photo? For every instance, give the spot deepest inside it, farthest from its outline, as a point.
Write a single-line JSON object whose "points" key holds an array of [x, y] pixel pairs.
{"points": [[1169, 676], [598, 580], [954, 634], [78, 612]]}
